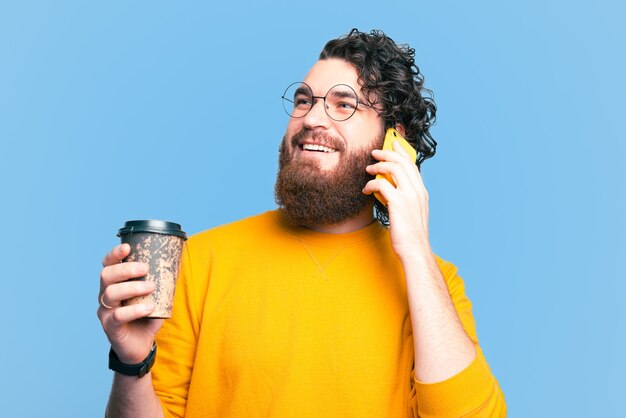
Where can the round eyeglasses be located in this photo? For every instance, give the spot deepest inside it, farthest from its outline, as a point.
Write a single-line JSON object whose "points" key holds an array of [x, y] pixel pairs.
{"points": [[340, 103]]}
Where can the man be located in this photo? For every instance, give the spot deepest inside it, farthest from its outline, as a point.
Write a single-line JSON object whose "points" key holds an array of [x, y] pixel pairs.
{"points": [[315, 309]]}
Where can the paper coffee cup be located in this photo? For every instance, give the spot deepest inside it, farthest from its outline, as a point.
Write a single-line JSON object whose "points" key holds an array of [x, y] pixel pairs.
{"points": [[160, 245]]}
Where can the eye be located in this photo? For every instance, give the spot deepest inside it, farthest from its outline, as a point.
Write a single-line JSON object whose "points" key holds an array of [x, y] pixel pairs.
{"points": [[342, 99], [302, 100], [346, 105]]}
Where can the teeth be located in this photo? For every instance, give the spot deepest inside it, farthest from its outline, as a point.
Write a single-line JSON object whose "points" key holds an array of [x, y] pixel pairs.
{"points": [[315, 147]]}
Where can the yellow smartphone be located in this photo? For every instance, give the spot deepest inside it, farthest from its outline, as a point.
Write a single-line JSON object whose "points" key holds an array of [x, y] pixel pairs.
{"points": [[390, 136]]}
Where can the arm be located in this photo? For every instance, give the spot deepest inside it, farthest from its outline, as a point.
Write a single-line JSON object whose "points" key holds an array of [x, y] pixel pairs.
{"points": [[131, 337], [442, 348], [451, 376], [474, 391], [133, 397]]}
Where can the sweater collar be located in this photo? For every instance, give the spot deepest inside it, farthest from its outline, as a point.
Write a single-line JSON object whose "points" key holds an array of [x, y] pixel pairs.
{"points": [[368, 233]]}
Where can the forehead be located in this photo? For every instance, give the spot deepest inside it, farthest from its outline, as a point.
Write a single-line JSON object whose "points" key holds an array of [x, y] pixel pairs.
{"points": [[330, 72]]}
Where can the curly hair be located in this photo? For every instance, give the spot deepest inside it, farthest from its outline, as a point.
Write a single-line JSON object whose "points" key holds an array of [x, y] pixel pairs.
{"points": [[387, 72]]}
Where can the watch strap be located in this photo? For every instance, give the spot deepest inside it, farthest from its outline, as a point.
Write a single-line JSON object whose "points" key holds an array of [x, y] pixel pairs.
{"points": [[139, 369]]}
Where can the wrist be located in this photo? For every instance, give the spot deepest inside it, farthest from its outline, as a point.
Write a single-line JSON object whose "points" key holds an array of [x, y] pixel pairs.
{"points": [[137, 369], [135, 358], [417, 252], [420, 264]]}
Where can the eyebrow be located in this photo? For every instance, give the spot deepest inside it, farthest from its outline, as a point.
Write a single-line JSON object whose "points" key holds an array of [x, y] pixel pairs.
{"points": [[345, 93], [340, 93], [303, 90]]}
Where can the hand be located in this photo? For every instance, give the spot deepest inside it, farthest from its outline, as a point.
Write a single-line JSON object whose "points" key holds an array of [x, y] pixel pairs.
{"points": [[130, 335], [407, 202]]}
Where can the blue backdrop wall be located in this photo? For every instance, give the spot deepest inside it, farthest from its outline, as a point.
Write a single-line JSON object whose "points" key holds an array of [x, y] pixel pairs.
{"points": [[120, 110]]}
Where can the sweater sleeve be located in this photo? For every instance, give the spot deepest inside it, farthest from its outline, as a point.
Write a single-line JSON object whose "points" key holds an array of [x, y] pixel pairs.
{"points": [[177, 342], [474, 391]]}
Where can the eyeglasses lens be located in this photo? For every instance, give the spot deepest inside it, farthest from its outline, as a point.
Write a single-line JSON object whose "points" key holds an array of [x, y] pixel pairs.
{"points": [[340, 101]]}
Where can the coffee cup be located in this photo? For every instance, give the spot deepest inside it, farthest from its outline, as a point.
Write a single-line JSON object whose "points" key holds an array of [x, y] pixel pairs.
{"points": [[159, 244]]}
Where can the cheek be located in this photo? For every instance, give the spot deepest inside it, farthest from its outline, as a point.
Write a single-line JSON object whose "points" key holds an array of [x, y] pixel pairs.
{"points": [[293, 126], [364, 136]]}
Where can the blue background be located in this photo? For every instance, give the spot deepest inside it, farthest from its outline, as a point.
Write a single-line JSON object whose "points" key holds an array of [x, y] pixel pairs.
{"points": [[112, 111]]}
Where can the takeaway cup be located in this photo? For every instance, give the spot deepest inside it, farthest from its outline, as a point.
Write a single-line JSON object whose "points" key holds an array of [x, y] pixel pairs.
{"points": [[160, 245]]}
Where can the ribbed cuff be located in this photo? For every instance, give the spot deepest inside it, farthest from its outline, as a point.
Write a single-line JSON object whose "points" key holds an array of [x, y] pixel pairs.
{"points": [[461, 394]]}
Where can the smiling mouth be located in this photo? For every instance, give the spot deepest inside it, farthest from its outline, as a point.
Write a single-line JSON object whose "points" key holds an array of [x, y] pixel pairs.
{"points": [[317, 148]]}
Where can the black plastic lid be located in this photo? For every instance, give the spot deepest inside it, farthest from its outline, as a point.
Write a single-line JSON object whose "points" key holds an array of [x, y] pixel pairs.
{"points": [[157, 227]]}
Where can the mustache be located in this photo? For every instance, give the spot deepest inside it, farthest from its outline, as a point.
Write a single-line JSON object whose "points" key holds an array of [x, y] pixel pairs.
{"points": [[320, 137]]}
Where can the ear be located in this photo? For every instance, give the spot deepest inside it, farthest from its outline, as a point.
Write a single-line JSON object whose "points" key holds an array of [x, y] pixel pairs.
{"points": [[400, 128]]}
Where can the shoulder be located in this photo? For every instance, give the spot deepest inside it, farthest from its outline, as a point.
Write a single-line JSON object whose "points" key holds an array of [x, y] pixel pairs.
{"points": [[242, 230]]}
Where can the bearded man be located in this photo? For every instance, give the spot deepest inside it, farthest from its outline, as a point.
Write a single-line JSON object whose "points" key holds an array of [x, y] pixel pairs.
{"points": [[315, 309]]}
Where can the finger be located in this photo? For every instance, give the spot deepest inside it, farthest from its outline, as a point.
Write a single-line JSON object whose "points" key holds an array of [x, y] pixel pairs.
{"points": [[116, 255], [398, 172], [398, 148], [121, 272], [121, 316], [130, 313], [402, 184], [387, 155], [384, 167], [381, 186], [114, 294], [392, 156], [409, 166]]}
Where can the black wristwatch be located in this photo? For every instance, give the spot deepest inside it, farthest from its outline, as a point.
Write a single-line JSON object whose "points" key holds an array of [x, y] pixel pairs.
{"points": [[139, 370]]}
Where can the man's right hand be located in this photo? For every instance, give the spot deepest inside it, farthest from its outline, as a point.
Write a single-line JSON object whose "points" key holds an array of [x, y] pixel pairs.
{"points": [[130, 334]]}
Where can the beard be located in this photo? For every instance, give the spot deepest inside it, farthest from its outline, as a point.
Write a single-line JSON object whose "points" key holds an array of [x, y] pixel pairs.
{"points": [[309, 196]]}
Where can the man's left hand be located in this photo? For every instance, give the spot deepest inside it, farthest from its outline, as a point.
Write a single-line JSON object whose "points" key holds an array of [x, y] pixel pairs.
{"points": [[407, 202]]}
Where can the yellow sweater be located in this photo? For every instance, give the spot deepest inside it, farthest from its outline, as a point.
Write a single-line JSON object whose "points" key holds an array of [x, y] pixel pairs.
{"points": [[275, 321]]}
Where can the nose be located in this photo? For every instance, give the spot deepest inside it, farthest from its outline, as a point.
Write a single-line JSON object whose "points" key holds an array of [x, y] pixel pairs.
{"points": [[317, 116]]}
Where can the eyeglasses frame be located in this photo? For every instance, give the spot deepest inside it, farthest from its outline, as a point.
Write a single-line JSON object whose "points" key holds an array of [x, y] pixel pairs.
{"points": [[313, 97]]}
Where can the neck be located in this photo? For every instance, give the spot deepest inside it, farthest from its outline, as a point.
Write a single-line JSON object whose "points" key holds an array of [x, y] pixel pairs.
{"points": [[364, 218]]}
